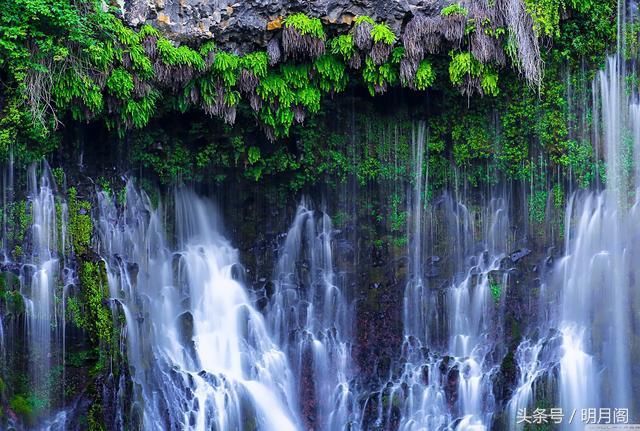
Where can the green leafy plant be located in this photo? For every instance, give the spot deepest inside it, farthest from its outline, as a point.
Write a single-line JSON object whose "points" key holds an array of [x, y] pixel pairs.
{"points": [[454, 9], [381, 33], [305, 25], [425, 76], [343, 45]]}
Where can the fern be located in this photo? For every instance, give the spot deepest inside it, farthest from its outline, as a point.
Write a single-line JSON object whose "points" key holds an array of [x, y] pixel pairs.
{"points": [[295, 75], [179, 56], [425, 76], [257, 62], [378, 78], [309, 97], [454, 9], [226, 66], [489, 82], [464, 65], [343, 45], [273, 88], [305, 25], [139, 112], [332, 73], [364, 18], [381, 33], [120, 84]]}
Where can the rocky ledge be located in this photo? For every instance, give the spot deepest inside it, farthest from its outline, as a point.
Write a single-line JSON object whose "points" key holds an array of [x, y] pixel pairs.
{"points": [[246, 24]]}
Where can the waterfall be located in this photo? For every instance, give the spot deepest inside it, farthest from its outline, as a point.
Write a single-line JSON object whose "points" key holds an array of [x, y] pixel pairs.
{"points": [[414, 312], [311, 318], [450, 333], [594, 284], [199, 354], [40, 279], [597, 276]]}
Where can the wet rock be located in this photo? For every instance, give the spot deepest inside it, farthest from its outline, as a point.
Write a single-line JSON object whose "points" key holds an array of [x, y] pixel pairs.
{"points": [[519, 254]]}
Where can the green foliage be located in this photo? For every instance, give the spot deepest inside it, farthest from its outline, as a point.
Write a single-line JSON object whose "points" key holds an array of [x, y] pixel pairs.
{"points": [[538, 206], [94, 288], [305, 25], [378, 78], [27, 407], [381, 33], [253, 155], [21, 406], [398, 215], [120, 83], [454, 9], [343, 45], [425, 76], [226, 66], [471, 140], [332, 73], [558, 197], [179, 56], [257, 62], [496, 291], [80, 225], [464, 65], [364, 18], [546, 15]]}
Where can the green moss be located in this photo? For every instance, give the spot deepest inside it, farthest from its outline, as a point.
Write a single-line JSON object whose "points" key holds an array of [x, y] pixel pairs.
{"points": [[27, 407], [21, 406], [496, 291], [95, 291], [95, 418], [80, 224], [538, 206]]}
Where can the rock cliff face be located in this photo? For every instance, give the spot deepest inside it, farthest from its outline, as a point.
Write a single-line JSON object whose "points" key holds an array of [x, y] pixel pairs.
{"points": [[247, 24]]}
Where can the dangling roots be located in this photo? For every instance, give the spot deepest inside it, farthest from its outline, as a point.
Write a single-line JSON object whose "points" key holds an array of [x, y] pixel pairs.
{"points": [[247, 81], [274, 52], [126, 59], [408, 69], [520, 27], [255, 102], [149, 45], [355, 62], [219, 108], [210, 58], [141, 87], [422, 36], [452, 27], [485, 48], [298, 114], [380, 53], [301, 46], [362, 36]]}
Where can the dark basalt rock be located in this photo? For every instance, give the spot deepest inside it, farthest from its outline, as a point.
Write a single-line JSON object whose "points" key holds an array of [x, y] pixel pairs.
{"points": [[245, 25], [520, 254]]}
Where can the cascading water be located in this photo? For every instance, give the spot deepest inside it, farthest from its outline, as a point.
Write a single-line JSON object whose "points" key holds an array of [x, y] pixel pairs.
{"points": [[450, 332], [594, 283], [311, 318], [597, 277], [200, 356], [44, 276]]}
